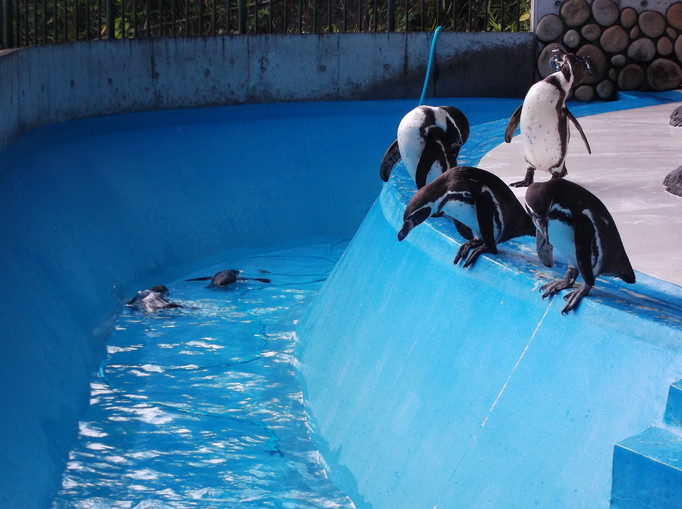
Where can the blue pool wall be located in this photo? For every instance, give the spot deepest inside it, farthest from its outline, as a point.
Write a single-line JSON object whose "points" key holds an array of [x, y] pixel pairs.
{"points": [[434, 386], [94, 210]]}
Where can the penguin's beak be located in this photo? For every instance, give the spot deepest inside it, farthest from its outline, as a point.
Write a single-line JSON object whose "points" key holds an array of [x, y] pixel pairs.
{"points": [[413, 220], [541, 225]]}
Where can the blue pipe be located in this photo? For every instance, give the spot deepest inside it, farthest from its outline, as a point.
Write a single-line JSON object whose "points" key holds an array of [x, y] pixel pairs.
{"points": [[428, 67]]}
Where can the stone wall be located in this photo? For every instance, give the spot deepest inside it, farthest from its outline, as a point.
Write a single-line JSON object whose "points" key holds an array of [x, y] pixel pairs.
{"points": [[628, 49]]}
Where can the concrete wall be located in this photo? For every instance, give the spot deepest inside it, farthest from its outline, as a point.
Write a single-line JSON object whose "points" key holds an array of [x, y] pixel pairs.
{"points": [[46, 85]]}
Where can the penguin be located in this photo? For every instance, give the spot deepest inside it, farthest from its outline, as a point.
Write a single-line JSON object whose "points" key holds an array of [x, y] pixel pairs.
{"points": [[676, 117], [152, 299], [543, 116], [225, 278], [579, 226], [673, 182], [478, 199], [429, 140]]}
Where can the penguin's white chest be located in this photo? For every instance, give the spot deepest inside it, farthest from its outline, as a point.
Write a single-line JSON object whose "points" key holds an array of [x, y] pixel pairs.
{"points": [[562, 238], [465, 212], [544, 144]]}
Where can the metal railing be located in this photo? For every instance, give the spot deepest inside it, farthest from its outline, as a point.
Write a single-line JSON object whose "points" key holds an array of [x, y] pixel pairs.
{"points": [[39, 22]]}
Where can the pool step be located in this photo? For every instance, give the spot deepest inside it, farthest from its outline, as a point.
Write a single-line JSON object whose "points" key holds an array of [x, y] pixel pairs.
{"points": [[673, 410], [647, 468]]}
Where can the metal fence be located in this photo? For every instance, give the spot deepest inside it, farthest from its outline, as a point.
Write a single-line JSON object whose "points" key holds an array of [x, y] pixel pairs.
{"points": [[39, 22]]}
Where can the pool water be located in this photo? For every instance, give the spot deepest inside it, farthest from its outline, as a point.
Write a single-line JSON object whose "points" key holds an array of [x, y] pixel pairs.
{"points": [[201, 406]]}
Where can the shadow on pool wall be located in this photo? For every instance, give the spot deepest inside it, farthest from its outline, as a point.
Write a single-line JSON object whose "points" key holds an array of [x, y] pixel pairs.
{"points": [[434, 386]]}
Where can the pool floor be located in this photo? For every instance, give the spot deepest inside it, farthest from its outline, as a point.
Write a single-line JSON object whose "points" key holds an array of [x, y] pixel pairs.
{"points": [[201, 406]]}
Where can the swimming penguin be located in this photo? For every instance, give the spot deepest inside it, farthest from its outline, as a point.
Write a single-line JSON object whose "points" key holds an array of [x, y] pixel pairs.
{"points": [[544, 118], [429, 139], [478, 199], [580, 227], [153, 299], [226, 278]]}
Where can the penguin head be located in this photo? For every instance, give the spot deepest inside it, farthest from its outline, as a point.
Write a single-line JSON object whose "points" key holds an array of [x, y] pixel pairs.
{"points": [[160, 289], [538, 203], [413, 217], [574, 68]]}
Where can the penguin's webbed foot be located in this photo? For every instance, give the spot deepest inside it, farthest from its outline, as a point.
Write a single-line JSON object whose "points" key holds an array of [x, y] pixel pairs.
{"points": [[527, 180], [478, 247], [559, 284], [573, 298]]}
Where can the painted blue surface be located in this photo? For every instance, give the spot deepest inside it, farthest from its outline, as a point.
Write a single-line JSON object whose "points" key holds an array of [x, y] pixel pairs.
{"points": [[435, 386], [397, 365], [93, 210]]}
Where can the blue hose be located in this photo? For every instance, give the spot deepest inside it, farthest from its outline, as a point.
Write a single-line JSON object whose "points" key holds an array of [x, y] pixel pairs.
{"points": [[428, 67]]}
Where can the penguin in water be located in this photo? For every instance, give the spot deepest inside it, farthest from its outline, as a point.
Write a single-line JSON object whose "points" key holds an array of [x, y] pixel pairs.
{"points": [[429, 140], [225, 278], [544, 118], [152, 299], [579, 226], [478, 199]]}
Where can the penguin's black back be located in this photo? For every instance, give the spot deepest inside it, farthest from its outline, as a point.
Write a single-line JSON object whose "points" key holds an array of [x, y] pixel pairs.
{"points": [[476, 180]]}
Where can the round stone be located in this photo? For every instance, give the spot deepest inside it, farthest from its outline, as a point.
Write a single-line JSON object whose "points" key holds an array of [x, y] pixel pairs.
{"points": [[642, 50], [605, 90], [614, 39], [591, 31], [584, 93], [678, 48], [631, 77], [549, 28], [664, 74], [575, 12], [572, 39], [664, 46], [634, 32], [652, 23], [598, 63], [674, 15], [605, 12], [628, 17], [618, 60]]}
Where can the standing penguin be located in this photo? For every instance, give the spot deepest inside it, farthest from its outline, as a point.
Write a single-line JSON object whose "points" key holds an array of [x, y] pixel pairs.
{"points": [[429, 139], [478, 199], [544, 118], [579, 226]]}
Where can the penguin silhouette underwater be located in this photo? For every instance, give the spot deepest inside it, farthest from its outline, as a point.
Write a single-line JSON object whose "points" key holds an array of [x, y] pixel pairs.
{"points": [[225, 278], [152, 299], [543, 116], [428, 142], [479, 200], [579, 226]]}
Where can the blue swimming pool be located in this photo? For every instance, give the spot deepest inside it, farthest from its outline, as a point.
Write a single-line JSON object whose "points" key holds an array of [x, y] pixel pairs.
{"points": [[403, 386]]}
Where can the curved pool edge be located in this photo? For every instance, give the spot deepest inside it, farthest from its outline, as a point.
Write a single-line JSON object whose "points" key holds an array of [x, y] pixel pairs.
{"points": [[433, 386]]}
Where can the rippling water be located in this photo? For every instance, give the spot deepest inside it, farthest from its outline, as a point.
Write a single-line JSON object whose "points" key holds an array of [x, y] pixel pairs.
{"points": [[200, 407]]}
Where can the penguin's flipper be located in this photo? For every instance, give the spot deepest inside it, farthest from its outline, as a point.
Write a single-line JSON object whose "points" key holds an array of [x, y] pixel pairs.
{"points": [[434, 151], [513, 124], [580, 129], [485, 211], [585, 247], [463, 229], [206, 278], [544, 249], [391, 158]]}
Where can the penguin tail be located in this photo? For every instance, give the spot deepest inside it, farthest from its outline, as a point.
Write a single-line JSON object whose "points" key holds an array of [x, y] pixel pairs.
{"points": [[261, 279], [206, 278]]}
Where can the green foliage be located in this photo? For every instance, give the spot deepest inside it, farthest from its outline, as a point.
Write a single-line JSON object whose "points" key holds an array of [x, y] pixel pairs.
{"points": [[55, 21]]}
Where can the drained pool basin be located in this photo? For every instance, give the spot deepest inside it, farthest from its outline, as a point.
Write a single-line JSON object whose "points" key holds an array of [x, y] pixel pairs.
{"points": [[427, 386]]}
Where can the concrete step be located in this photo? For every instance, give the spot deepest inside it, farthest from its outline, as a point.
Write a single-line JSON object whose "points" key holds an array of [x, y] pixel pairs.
{"points": [[673, 410], [647, 470]]}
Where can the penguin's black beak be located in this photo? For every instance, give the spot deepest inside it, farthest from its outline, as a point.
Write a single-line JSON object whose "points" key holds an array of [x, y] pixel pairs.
{"points": [[541, 225]]}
